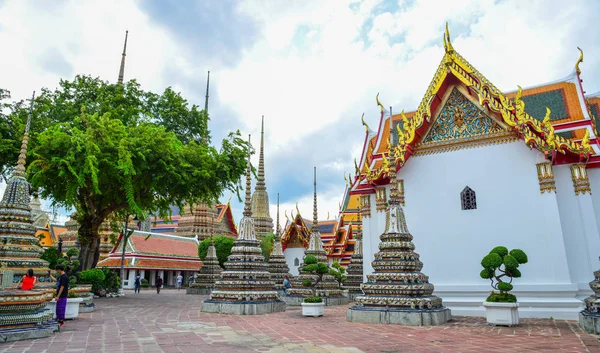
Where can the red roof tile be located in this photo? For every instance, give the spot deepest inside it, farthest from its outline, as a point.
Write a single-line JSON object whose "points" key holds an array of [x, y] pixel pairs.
{"points": [[166, 245]]}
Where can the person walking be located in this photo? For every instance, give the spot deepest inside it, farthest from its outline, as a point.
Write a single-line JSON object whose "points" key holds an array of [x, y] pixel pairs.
{"points": [[61, 295], [28, 281], [159, 282], [179, 281], [137, 284]]}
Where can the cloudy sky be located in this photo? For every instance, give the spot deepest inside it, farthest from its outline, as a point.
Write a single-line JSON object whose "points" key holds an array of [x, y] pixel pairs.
{"points": [[310, 67]]}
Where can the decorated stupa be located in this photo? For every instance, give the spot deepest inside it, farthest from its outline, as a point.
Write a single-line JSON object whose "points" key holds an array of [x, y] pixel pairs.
{"points": [[204, 281], [277, 265], [397, 293], [70, 237], [245, 286], [329, 289], [354, 276], [23, 314], [589, 318], [263, 223]]}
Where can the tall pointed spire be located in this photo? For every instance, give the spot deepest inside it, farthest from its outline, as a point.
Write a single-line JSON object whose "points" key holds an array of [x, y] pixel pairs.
{"points": [[277, 224], [277, 265], [206, 100], [260, 198], [247, 205], [20, 170], [315, 225], [122, 68]]}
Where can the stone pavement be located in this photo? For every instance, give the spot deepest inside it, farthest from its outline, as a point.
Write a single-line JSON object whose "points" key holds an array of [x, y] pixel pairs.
{"points": [[173, 323]]}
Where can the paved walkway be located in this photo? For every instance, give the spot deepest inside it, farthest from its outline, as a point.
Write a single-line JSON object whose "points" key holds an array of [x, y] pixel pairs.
{"points": [[172, 323]]}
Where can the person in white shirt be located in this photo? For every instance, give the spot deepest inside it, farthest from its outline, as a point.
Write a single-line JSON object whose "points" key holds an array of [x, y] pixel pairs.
{"points": [[179, 281]]}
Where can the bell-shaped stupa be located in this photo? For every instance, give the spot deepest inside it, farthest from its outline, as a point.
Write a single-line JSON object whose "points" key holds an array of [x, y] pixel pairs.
{"points": [[329, 289], [245, 286], [589, 318], [70, 237], [277, 265], [23, 314], [354, 277], [397, 293]]}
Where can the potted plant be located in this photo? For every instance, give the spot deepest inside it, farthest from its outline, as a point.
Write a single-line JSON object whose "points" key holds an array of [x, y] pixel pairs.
{"points": [[500, 266], [72, 310], [313, 305]]}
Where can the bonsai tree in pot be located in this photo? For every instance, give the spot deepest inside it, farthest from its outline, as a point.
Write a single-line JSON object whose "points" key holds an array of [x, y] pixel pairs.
{"points": [[501, 266], [313, 305]]}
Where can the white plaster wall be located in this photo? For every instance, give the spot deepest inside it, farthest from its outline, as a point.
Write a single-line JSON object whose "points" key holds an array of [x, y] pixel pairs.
{"points": [[290, 255], [594, 176], [510, 212], [578, 215]]}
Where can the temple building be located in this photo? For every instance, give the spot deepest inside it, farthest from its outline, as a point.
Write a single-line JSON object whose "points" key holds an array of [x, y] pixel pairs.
{"points": [[482, 167], [154, 255], [336, 236], [260, 199], [221, 222]]}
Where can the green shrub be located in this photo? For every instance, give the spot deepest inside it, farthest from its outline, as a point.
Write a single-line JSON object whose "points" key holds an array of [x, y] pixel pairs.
{"points": [[338, 272], [52, 256], [313, 300], [266, 245], [223, 247], [318, 269], [144, 283], [501, 266], [496, 297], [112, 281], [95, 277]]}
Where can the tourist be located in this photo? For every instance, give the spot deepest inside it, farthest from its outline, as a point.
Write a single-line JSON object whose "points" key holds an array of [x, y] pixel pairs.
{"points": [[138, 283], [28, 281], [286, 284], [159, 282], [62, 294], [179, 281]]}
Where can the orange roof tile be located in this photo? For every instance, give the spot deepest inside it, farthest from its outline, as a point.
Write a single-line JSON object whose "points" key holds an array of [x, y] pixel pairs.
{"points": [[166, 245]]}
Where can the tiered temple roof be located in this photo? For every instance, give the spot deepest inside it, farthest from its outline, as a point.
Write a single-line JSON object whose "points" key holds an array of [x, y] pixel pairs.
{"points": [[245, 283], [557, 118], [260, 199], [156, 252]]}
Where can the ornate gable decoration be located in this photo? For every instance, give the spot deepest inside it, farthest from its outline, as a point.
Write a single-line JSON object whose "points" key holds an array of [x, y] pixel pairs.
{"points": [[462, 124]]}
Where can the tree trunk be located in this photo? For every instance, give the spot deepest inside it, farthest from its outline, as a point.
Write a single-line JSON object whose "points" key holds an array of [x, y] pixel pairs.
{"points": [[89, 240]]}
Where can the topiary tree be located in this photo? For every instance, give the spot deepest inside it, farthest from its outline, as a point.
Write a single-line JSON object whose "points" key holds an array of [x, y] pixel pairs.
{"points": [[338, 272], [313, 267], [223, 247], [95, 277], [500, 266]]}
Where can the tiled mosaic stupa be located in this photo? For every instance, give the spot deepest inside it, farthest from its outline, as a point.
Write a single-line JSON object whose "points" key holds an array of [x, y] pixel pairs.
{"points": [[397, 293], [260, 199], [329, 289], [70, 237], [204, 281], [354, 277], [22, 313], [589, 318], [245, 286], [277, 265]]}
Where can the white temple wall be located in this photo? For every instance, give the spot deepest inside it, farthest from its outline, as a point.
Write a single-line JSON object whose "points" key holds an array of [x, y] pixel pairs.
{"points": [[291, 255], [594, 175], [510, 212], [580, 226]]}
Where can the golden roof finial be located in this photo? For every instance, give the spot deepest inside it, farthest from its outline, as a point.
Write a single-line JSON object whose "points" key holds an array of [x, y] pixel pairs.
{"points": [[379, 103], [585, 142], [362, 119], [579, 61], [297, 207], [447, 44], [345, 178], [546, 120], [356, 170]]}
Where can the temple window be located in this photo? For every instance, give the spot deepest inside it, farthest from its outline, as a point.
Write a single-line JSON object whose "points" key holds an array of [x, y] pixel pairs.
{"points": [[296, 262], [467, 199]]}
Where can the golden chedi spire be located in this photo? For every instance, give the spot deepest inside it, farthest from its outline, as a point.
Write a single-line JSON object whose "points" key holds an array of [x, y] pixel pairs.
{"points": [[260, 199]]}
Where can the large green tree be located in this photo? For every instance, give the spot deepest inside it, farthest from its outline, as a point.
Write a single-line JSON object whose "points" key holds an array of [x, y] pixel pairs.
{"points": [[112, 148]]}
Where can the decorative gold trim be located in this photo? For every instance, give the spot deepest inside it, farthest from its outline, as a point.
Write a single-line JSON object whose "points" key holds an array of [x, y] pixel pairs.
{"points": [[365, 205], [579, 61], [380, 199], [581, 181], [546, 177], [472, 142]]}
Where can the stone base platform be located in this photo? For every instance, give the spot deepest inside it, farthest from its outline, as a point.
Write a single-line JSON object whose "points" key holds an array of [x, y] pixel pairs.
{"points": [[329, 301], [41, 331], [352, 295], [243, 308], [198, 291], [416, 317], [589, 322]]}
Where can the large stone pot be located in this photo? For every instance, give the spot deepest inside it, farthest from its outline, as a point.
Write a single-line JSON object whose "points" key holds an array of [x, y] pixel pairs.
{"points": [[313, 309], [504, 314], [72, 311]]}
